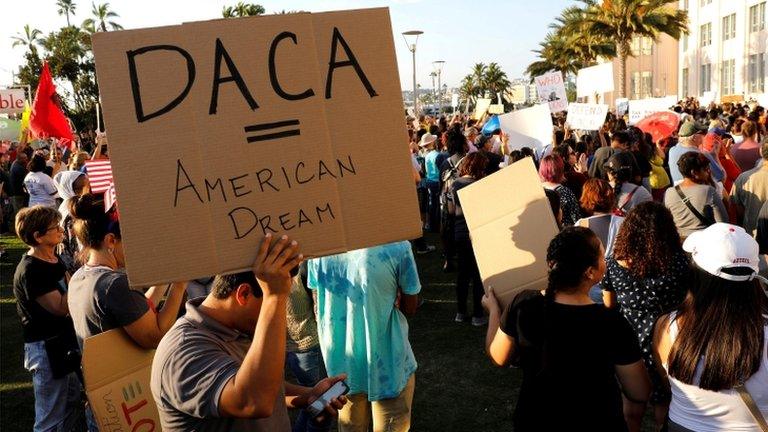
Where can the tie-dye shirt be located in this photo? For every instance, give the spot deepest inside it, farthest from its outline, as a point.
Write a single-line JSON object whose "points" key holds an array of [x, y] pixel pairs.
{"points": [[361, 332]]}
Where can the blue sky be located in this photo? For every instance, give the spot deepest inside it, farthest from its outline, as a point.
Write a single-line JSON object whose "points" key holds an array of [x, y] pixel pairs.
{"points": [[459, 32]]}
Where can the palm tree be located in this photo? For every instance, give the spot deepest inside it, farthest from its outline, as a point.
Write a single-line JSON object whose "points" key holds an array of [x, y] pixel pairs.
{"points": [[242, 10], [30, 38], [101, 18], [495, 79], [66, 7], [623, 20], [467, 90], [478, 77]]}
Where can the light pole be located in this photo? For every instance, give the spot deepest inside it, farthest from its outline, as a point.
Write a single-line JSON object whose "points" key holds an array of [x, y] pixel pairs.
{"points": [[438, 65], [411, 37]]}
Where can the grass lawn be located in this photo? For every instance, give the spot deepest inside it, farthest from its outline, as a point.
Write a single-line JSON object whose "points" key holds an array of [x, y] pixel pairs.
{"points": [[457, 389]]}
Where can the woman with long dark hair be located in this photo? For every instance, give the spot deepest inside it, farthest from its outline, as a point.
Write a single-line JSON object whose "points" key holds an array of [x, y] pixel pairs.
{"points": [[645, 277], [714, 346], [471, 169], [568, 346], [623, 175]]}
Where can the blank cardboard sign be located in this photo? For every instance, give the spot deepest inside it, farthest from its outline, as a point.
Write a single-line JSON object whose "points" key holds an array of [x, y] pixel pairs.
{"points": [[222, 131], [511, 224]]}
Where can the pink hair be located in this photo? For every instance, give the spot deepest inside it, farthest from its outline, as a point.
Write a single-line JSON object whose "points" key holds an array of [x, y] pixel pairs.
{"points": [[552, 169]]}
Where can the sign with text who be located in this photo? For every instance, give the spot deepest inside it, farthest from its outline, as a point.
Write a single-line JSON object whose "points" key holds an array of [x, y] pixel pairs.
{"points": [[248, 126]]}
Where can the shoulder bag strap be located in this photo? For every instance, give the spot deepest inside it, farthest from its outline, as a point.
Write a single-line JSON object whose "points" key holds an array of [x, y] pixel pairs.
{"points": [[752, 407], [629, 198], [687, 202]]}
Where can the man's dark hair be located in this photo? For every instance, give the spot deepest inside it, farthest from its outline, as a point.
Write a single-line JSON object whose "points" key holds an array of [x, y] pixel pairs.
{"points": [[622, 137], [224, 285]]}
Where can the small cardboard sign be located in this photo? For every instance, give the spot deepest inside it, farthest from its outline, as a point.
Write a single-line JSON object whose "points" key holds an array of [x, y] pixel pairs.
{"points": [[595, 80], [11, 101], [481, 106], [642, 108], [529, 127], [223, 131], [117, 375], [455, 100], [584, 116], [551, 89], [732, 98], [511, 228], [496, 109]]}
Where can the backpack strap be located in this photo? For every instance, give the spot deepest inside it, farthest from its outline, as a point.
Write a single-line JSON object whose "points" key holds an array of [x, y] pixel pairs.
{"points": [[752, 407], [629, 198], [687, 201]]}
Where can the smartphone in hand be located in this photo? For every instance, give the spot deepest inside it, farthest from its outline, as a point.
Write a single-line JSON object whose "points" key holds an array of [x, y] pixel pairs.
{"points": [[317, 407]]}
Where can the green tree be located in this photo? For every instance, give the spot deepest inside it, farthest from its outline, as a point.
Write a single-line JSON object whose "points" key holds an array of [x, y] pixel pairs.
{"points": [[467, 90], [623, 20], [242, 10], [102, 17], [66, 7]]}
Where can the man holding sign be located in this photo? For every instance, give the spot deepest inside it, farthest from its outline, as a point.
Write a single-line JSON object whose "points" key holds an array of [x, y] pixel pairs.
{"points": [[221, 366]]}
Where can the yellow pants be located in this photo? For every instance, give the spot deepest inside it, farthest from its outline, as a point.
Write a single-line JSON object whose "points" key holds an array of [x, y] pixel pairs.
{"points": [[389, 415]]}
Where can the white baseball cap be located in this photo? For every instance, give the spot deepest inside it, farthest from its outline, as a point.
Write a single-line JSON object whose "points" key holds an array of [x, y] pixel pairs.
{"points": [[722, 246]]}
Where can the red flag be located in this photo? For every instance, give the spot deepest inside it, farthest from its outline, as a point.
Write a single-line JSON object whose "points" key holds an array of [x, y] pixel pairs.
{"points": [[47, 119]]}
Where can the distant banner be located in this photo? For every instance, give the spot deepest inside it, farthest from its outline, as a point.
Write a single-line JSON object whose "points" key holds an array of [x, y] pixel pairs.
{"points": [[454, 100], [9, 129], [583, 116], [622, 106], [551, 88], [481, 107], [496, 109], [595, 80], [642, 108]]}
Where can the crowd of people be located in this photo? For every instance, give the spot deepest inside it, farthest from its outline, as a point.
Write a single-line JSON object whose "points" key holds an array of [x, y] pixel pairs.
{"points": [[654, 297]]}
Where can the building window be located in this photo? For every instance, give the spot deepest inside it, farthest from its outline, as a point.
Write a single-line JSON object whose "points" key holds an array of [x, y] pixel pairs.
{"points": [[647, 84], [705, 2], [705, 78], [685, 4], [706, 34], [685, 83], [634, 46], [728, 77], [757, 17], [756, 73], [729, 27], [646, 46], [684, 38]]}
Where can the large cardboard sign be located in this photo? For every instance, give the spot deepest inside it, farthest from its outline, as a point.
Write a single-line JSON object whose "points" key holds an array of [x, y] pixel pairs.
{"points": [[529, 127], [117, 375], [11, 101], [511, 228], [594, 80], [481, 106], [642, 108], [551, 88], [225, 130], [584, 116]]}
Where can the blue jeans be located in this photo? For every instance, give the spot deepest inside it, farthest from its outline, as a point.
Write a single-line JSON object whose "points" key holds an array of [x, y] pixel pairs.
{"points": [[308, 368], [57, 401]]}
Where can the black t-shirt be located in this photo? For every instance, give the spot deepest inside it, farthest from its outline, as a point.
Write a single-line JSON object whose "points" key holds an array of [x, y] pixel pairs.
{"points": [[461, 230], [16, 180], [568, 355], [34, 278]]}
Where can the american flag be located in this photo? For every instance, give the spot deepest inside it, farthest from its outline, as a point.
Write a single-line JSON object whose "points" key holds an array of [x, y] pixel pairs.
{"points": [[100, 174], [110, 198]]}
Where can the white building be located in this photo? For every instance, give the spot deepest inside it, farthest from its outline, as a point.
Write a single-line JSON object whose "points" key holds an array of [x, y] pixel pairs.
{"points": [[725, 51]]}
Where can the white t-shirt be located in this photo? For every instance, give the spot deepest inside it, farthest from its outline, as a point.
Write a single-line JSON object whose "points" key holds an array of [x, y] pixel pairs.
{"points": [[42, 190], [710, 411]]}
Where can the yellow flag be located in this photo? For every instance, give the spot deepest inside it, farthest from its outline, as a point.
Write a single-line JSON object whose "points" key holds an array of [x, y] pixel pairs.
{"points": [[24, 121]]}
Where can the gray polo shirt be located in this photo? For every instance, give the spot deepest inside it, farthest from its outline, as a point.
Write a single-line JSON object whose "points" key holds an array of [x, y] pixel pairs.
{"points": [[192, 364]]}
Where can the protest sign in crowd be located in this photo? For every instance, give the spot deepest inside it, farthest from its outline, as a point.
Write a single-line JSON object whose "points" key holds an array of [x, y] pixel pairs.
{"points": [[635, 270]]}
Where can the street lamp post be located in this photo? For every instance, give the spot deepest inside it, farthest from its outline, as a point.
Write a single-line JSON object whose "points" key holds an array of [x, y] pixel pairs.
{"points": [[438, 65], [411, 37]]}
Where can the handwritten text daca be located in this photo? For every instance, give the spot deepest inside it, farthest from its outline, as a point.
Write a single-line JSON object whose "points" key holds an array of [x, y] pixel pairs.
{"points": [[222, 56], [244, 219]]}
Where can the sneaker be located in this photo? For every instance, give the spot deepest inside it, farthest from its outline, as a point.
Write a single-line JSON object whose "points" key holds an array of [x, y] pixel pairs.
{"points": [[426, 250], [460, 317], [479, 321]]}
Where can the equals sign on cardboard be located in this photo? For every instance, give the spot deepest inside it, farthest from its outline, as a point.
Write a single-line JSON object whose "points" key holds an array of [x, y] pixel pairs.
{"points": [[264, 130]]}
